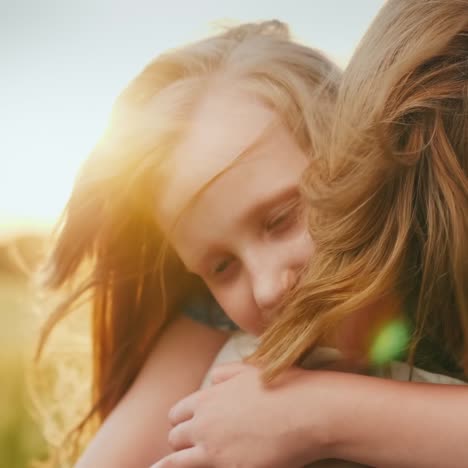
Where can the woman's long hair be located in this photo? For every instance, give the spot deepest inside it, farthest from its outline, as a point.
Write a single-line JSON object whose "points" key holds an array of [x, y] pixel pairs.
{"points": [[389, 199], [108, 246]]}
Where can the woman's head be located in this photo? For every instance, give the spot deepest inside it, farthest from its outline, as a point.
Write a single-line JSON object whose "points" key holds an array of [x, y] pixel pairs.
{"points": [[391, 198], [225, 122]]}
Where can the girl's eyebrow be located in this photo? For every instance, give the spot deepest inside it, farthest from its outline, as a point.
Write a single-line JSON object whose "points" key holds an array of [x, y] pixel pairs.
{"points": [[283, 195]]}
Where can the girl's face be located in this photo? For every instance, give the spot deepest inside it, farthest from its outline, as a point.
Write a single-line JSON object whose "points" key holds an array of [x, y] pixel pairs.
{"points": [[235, 179]]}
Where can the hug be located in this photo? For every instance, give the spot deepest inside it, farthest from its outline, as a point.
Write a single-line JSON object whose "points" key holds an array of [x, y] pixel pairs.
{"points": [[253, 206]]}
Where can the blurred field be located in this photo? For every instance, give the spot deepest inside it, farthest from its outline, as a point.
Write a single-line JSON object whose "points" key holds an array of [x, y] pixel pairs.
{"points": [[61, 384], [20, 438]]}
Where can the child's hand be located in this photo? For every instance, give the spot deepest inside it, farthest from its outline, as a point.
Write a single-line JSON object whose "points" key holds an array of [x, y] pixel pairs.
{"points": [[227, 371], [240, 422]]}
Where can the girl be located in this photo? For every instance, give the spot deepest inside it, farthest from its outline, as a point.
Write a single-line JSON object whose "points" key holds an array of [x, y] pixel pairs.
{"points": [[389, 204], [200, 126]]}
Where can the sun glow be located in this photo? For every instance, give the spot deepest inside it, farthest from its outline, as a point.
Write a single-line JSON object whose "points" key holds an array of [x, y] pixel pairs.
{"points": [[62, 74], [40, 158]]}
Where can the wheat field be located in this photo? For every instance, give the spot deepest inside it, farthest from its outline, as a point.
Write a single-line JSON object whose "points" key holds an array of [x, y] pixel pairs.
{"points": [[20, 437]]}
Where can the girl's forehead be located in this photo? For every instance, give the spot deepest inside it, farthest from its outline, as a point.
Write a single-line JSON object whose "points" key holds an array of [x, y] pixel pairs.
{"points": [[230, 210], [225, 128]]}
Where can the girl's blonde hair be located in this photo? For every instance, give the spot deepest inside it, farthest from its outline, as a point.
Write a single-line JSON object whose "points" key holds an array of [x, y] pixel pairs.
{"points": [[389, 200], [108, 225]]}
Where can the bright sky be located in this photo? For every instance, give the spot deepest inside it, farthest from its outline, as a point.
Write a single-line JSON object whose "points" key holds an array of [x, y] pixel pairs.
{"points": [[64, 62]]}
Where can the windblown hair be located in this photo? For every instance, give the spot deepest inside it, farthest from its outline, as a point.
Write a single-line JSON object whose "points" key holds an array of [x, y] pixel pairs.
{"points": [[135, 283], [389, 199]]}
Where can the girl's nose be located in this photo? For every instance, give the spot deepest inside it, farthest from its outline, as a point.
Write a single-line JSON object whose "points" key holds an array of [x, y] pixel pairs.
{"points": [[269, 288]]}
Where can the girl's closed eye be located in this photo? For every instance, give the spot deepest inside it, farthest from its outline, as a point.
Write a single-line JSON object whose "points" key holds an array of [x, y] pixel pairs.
{"points": [[221, 266], [221, 269], [285, 217]]}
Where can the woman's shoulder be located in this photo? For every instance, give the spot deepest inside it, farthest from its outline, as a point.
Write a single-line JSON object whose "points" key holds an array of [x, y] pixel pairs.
{"points": [[239, 346]]}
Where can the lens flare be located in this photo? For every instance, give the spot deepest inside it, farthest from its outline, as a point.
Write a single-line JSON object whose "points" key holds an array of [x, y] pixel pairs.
{"points": [[390, 343]]}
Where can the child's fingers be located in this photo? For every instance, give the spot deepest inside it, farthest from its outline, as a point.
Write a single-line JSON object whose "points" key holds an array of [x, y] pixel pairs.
{"points": [[183, 410], [189, 458], [225, 372], [179, 437]]}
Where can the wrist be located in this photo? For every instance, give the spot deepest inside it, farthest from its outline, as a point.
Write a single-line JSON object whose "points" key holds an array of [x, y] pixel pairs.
{"points": [[333, 410], [320, 409]]}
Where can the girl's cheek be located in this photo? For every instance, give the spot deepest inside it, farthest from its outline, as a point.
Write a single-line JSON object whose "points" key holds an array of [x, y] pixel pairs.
{"points": [[301, 247], [308, 247], [230, 300], [238, 306], [306, 243]]}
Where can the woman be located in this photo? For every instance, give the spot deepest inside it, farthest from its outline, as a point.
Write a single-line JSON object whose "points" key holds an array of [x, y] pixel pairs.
{"points": [[388, 200]]}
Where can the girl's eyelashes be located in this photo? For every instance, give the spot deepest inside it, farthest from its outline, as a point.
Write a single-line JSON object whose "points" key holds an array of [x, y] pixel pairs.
{"points": [[284, 217], [221, 269], [221, 266], [278, 222]]}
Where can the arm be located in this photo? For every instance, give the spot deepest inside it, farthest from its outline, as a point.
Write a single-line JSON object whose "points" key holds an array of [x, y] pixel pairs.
{"points": [[388, 423], [313, 415], [135, 433]]}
